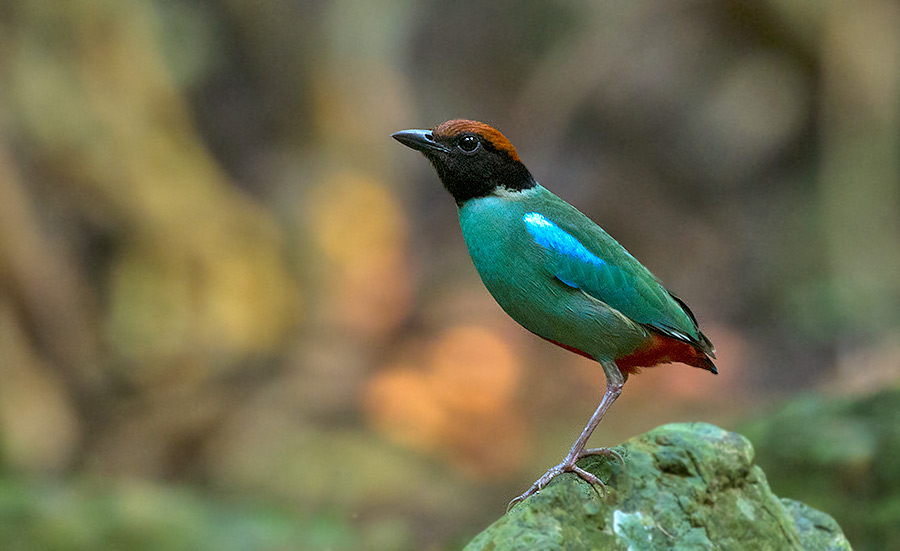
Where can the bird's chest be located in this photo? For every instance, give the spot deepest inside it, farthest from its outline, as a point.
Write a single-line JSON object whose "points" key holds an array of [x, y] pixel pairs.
{"points": [[510, 263]]}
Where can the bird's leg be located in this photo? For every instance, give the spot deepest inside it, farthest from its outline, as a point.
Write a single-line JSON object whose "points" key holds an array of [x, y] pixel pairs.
{"points": [[614, 382]]}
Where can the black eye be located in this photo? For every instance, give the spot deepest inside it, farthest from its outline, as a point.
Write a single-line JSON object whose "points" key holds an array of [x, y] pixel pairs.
{"points": [[469, 144]]}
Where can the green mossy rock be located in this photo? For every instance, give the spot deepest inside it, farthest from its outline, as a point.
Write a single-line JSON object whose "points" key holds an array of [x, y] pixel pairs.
{"points": [[690, 486]]}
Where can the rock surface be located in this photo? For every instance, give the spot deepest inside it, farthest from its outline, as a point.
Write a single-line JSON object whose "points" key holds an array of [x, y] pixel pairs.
{"points": [[689, 486]]}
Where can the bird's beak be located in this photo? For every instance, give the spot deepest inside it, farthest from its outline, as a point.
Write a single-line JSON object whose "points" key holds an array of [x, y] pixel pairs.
{"points": [[421, 140]]}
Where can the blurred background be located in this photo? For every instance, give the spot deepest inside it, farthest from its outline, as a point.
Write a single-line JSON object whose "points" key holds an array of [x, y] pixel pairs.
{"points": [[234, 314]]}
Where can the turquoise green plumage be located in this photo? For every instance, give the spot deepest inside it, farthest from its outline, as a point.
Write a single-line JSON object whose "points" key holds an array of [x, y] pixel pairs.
{"points": [[556, 272], [497, 239]]}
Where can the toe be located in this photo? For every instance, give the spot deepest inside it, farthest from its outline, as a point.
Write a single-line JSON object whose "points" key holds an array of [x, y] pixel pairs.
{"points": [[591, 479], [604, 451]]}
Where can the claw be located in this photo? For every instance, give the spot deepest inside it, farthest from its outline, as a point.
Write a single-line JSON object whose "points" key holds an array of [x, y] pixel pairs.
{"points": [[540, 483]]}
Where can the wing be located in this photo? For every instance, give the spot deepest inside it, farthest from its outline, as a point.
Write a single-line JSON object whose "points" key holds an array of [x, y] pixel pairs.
{"points": [[601, 268]]}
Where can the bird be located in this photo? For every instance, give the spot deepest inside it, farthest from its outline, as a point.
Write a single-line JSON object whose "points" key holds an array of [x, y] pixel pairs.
{"points": [[557, 273]]}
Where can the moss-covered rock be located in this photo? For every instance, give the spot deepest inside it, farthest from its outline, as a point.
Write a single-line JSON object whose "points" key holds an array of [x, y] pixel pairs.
{"points": [[683, 487]]}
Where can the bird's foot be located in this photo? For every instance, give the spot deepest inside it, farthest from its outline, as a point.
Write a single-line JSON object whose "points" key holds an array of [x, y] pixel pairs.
{"points": [[568, 466]]}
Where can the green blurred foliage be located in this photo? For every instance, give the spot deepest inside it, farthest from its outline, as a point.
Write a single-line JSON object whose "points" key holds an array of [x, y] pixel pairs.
{"points": [[136, 517], [839, 454], [217, 272]]}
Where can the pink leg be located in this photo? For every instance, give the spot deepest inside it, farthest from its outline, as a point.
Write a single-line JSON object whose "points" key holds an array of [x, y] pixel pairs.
{"points": [[614, 383]]}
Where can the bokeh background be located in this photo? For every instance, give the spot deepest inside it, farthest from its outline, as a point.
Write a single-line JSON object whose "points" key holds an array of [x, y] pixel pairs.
{"points": [[234, 314]]}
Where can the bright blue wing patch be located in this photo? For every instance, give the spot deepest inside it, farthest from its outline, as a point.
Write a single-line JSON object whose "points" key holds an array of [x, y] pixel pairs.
{"points": [[574, 264], [552, 237]]}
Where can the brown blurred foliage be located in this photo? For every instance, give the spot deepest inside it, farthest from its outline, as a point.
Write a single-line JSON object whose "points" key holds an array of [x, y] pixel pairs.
{"points": [[216, 267]]}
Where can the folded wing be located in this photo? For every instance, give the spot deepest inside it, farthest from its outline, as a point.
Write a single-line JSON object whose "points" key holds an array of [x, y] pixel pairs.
{"points": [[601, 268]]}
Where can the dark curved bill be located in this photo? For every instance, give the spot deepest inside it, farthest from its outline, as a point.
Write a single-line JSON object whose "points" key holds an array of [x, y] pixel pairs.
{"points": [[421, 140]]}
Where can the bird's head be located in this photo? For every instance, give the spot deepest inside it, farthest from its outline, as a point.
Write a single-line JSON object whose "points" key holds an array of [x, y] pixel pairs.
{"points": [[471, 158]]}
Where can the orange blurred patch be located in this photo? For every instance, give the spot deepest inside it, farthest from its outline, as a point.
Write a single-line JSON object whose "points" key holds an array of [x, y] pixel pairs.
{"points": [[476, 369], [361, 232], [355, 217], [400, 404], [459, 406]]}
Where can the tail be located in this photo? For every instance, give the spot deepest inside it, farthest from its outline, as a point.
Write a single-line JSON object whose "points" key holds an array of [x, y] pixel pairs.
{"points": [[703, 352], [704, 344], [664, 348], [704, 361]]}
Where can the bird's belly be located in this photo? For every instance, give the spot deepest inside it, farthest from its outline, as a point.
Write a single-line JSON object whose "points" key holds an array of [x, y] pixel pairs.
{"points": [[549, 308]]}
